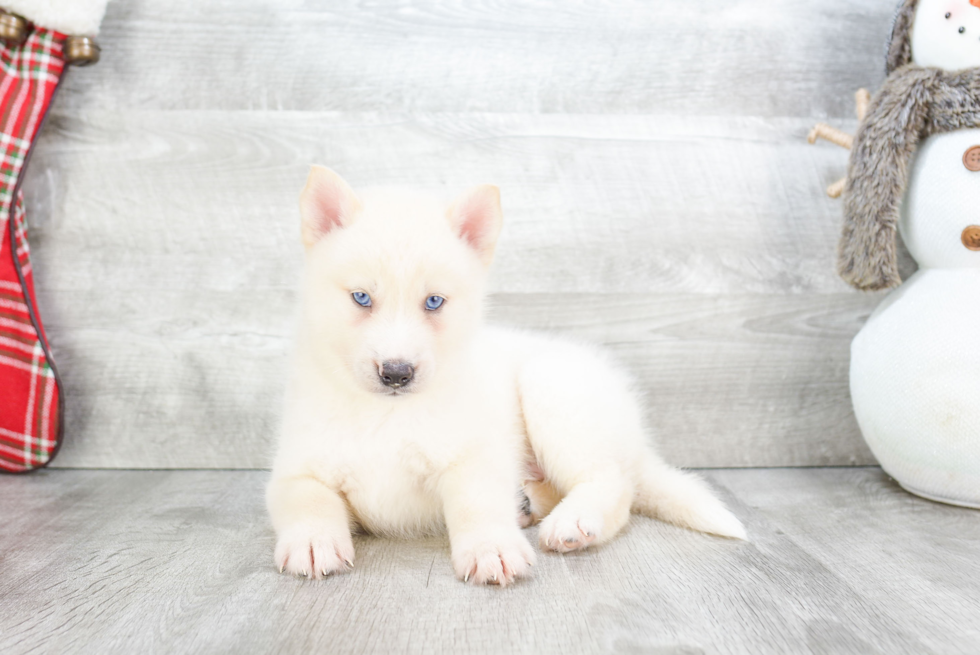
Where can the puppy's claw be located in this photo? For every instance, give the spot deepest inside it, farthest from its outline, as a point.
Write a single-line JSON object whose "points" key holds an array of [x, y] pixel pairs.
{"points": [[282, 568], [349, 563], [466, 578]]}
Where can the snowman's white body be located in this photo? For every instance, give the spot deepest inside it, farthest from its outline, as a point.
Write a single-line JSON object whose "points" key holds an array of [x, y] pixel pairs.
{"points": [[915, 366]]}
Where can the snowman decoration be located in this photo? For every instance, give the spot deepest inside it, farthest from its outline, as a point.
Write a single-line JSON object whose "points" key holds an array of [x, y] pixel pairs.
{"points": [[915, 169]]}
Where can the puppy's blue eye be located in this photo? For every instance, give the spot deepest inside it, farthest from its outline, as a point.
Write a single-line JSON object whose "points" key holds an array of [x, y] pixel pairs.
{"points": [[432, 303], [361, 298]]}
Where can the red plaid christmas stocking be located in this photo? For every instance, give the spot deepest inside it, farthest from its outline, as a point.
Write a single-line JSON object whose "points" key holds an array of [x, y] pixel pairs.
{"points": [[30, 390]]}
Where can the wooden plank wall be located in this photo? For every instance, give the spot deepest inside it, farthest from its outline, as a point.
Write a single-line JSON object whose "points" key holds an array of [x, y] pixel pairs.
{"points": [[659, 197]]}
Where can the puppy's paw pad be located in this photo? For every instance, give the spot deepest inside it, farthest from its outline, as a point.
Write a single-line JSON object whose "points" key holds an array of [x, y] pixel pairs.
{"points": [[314, 552], [564, 532], [492, 558]]}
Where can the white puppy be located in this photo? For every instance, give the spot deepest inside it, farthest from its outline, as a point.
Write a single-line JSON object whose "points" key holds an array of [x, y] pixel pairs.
{"points": [[405, 415]]}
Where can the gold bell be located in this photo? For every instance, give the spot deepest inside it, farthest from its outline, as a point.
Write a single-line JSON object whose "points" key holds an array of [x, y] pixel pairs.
{"points": [[13, 28], [81, 51]]}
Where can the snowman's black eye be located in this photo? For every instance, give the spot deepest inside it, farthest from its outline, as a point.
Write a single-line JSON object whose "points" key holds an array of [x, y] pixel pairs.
{"points": [[948, 15], [962, 29]]}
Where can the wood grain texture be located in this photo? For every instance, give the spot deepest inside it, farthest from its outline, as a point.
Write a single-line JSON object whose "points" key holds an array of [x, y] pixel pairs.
{"points": [[914, 557], [841, 561], [160, 379], [167, 259], [629, 204], [659, 197], [695, 57]]}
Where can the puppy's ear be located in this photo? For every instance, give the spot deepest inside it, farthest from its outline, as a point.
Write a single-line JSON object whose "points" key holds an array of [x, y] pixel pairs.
{"points": [[326, 203], [476, 218]]}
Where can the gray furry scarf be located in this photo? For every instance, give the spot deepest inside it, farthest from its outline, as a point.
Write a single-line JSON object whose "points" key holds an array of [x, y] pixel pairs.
{"points": [[913, 104]]}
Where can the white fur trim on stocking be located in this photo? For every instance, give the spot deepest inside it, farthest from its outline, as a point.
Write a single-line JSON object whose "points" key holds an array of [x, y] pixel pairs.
{"points": [[80, 17]]}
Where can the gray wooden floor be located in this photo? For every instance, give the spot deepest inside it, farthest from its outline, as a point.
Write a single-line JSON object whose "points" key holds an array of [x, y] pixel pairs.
{"points": [[841, 561]]}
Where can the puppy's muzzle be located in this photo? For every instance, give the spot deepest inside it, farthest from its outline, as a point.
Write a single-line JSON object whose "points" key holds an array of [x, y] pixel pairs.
{"points": [[396, 374]]}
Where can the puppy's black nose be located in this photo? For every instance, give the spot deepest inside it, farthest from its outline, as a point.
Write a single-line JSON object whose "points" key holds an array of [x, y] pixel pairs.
{"points": [[396, 374]]}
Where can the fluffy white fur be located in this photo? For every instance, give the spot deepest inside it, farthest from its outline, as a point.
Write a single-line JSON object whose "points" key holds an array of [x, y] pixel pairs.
{"points": [[80, 17], [491, 412]]}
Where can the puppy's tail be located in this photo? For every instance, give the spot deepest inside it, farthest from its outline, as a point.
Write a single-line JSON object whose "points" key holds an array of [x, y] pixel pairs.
{"points": [[683, 499]]}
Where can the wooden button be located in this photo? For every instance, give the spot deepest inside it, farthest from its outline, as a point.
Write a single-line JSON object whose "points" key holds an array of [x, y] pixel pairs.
{"points": [[971, 159], [13, 29], [81, 51], [971, 237]]}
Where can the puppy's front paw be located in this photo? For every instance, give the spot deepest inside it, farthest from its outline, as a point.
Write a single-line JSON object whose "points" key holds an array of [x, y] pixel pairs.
{"points": [[565, 530], [497, 556], [314, 551]]}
